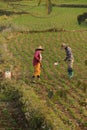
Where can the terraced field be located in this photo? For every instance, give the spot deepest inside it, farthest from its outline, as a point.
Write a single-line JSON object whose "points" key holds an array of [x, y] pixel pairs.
{"points": [[66, 97], [11, 117]]}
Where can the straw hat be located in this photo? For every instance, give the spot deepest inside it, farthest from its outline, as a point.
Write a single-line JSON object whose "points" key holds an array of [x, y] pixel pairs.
{"points": [[63, 45], [40, 48]]}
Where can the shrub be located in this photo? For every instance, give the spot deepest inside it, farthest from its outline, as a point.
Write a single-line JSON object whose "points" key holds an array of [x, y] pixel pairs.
{"points": [[81, 18], [39, 116]]}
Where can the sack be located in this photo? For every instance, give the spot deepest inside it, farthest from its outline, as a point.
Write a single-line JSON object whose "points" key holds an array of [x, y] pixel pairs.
{"points": [[7, 74]]}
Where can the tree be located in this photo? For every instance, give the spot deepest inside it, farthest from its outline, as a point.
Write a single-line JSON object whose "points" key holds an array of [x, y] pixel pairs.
{"points": [[48, 5], [39, 2]]}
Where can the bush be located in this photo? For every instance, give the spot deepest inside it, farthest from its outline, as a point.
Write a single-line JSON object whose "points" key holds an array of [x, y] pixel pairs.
{"points": [[39, 116], [81, 18]]}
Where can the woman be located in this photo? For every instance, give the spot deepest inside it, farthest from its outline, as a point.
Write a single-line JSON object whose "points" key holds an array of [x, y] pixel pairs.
{"points": [[37, 63]]}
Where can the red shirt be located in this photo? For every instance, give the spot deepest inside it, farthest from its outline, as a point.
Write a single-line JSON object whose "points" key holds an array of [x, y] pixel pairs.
{"points": [[36, 58]]}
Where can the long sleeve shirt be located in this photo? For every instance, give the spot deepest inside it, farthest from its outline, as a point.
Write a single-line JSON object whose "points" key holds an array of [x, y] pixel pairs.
{"points": [[69, 55], [37, 57]]}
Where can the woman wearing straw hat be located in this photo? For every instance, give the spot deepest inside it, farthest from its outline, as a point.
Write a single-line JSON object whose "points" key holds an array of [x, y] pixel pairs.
{"points": [[37, 59], [69, 59]]}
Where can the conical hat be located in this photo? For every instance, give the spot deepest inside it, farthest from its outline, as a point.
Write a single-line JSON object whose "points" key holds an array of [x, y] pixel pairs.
{"points": [[63, 45], [40, 48]]}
